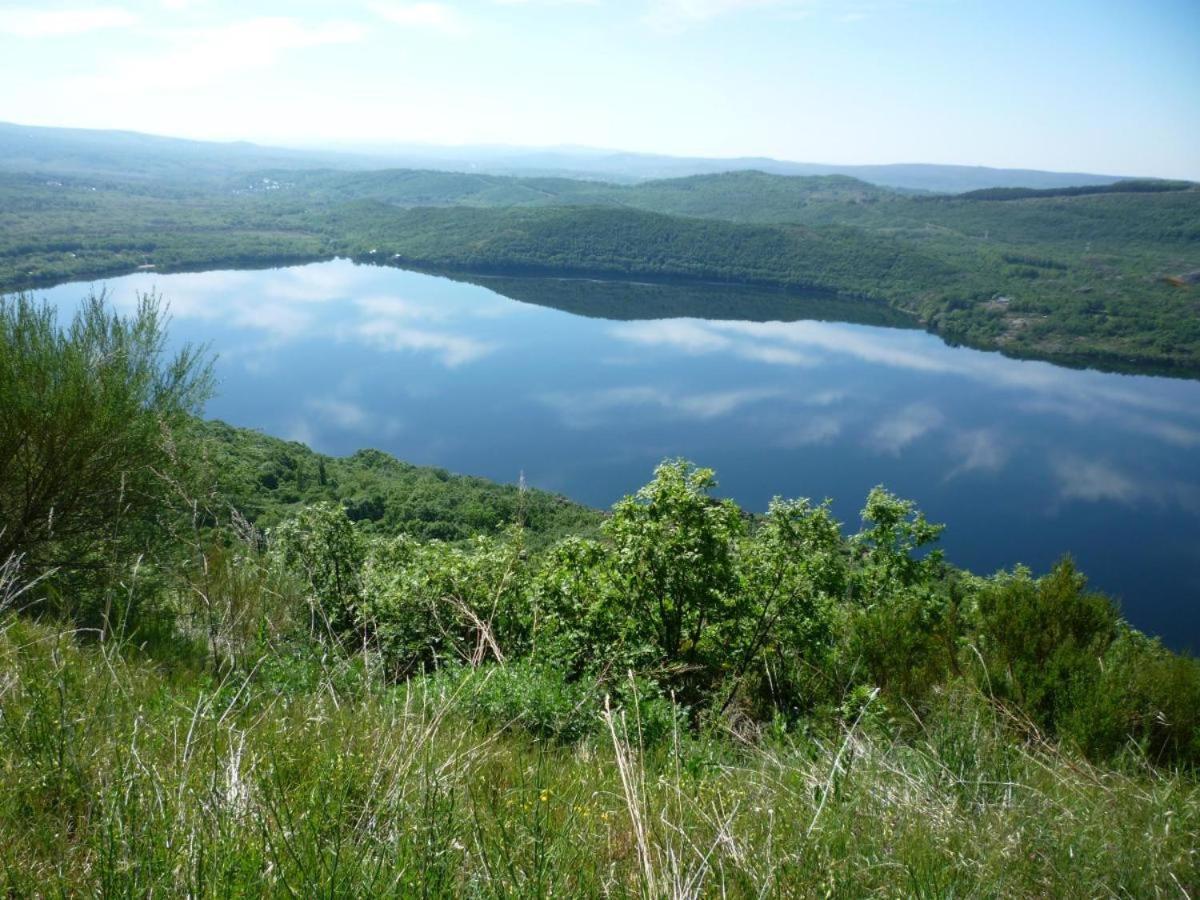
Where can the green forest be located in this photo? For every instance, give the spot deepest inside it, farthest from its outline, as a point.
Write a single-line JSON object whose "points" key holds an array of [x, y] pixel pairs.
{"points": [[1103, 276], [232, 666]]}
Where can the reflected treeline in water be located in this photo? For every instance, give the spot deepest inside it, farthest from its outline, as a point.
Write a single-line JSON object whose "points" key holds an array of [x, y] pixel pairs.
{"points": [[628, 300]]}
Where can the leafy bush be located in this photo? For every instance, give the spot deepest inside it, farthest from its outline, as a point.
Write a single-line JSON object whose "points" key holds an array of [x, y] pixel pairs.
{"points": [[537, 698], [792, 573], [428, 604], [577, 616], [87, 437], [684, 595], [1043, 641], [1144, 697], [901, 610], [322, 546], [675, 549], [687, 604]]}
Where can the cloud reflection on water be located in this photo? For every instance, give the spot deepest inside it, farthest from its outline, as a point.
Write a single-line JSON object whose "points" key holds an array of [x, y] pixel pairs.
{"points": [[786, 385], [1078, 395], [979, 450], [588, 409], [904, 427]]}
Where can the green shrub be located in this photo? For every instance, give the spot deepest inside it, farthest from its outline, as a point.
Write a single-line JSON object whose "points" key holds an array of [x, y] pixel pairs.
{"points": [[577, 615], [899, 623], [792, 573], [1042, 641], [536, 698], [429, 604], [677, 578], [740, 622], [91, 413], [321, 546], [682, 594], [1144, 696]]}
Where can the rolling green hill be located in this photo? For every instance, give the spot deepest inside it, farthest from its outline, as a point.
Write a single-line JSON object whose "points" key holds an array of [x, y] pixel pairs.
{"points": [[1099, 277], [268, 480], [616, 242]]}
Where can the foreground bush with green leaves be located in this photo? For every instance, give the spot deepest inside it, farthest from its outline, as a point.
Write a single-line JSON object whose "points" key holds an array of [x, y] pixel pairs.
{"points": [[751, 623], [686, 701]]}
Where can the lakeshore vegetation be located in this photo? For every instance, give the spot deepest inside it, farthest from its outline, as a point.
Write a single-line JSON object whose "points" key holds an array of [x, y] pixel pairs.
{"points": [[230, 665], [1102, 275]]}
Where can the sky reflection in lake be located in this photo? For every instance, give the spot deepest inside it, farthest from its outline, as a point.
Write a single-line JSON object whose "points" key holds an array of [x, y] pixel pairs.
{"points": [[1024, 460]]}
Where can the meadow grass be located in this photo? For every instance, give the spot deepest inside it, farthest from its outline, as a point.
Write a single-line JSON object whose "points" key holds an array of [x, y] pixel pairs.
{"points": [[315, 777]]}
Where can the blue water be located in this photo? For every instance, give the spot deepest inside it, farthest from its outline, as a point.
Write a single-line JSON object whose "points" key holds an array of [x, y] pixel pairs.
{"points": [[1025, 461]]}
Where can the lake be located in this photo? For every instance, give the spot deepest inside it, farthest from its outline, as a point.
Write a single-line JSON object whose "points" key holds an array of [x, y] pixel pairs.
{"points": [[583, 387]]}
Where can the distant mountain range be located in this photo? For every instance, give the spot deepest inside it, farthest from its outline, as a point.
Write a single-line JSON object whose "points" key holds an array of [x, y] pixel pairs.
{"points": [[85, 152], [624, 166]]}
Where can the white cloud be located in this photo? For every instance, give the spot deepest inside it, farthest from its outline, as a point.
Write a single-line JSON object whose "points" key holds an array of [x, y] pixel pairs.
{"points": [[390, 307], [719, 403], [38, 23], [319, 283], [777, 342], [546, 2], [1079, 396], [341, 413], [301, 432], [697, 337], [776, 356], [683, 334], [841, 339], [425, 15], [674, 15], [1097, 481], [281, 320], [830, 397], [195, 57], [346, 415]]}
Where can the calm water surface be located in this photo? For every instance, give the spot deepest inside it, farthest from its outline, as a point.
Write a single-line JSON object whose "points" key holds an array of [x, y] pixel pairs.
{"points": [[1025, 461]]}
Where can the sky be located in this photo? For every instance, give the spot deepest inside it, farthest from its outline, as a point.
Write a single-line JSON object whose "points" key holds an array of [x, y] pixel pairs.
{"points": [[1106, 86]]}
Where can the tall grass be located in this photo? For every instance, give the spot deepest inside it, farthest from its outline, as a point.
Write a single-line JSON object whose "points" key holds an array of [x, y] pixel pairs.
{"points": [[312, 776]]}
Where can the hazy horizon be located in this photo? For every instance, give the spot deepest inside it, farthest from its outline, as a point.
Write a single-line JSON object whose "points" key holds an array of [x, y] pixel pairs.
{"points": [[1103, 87], [449, 153]]}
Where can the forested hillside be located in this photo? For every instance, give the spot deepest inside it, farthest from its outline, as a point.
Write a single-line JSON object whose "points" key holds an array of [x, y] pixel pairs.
{"points": [[269, 480], [1102, 276]]}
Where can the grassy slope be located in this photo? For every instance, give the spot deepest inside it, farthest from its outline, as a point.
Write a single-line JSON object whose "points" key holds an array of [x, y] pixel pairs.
{"points": [[289, 766], [305, 776]]}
